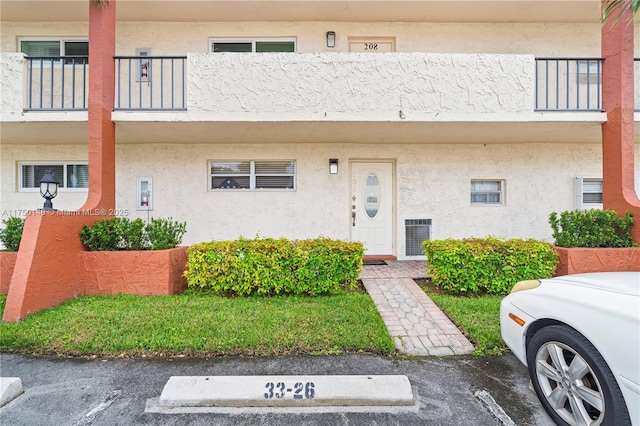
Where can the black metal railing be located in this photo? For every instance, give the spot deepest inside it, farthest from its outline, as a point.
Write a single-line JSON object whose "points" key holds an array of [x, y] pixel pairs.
{"points": [[636, 80], [150, 83], [157, 83], [568, 84], [57, 83]]}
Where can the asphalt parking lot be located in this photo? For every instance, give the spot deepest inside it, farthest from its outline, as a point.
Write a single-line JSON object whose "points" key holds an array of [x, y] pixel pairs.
{"points": [[448, 391]]}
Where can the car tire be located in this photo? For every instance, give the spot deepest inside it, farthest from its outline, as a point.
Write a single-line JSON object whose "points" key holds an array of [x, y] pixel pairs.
{"points": [[572, 380]]}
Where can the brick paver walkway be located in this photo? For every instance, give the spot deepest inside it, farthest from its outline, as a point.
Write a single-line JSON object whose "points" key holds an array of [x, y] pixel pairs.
{"points": [[416, 324]]}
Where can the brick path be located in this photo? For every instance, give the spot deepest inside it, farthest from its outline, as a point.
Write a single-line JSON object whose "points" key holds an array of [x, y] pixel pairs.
{"points": [[416, 324]]}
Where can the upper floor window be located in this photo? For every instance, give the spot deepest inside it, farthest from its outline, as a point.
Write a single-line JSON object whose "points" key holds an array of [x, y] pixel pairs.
{"points": [[589, 71], [269, 174], [487, 191], [70, 175], [257, 45], [588, 192], [54, 47]]}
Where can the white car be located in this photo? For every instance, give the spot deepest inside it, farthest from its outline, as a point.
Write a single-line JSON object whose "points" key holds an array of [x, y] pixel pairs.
{"points": [[579, 336]]}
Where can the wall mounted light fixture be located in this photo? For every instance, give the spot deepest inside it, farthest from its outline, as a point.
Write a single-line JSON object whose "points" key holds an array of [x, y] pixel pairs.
{"points": [[333, 166], [331, 39]]}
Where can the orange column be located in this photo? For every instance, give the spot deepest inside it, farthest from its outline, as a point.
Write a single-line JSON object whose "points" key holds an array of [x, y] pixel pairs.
{"points": [[47, 265], [617, 133], [102, 139]]}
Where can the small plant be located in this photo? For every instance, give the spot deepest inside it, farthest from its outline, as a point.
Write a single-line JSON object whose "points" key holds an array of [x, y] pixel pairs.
{"points": [[11, 234], [120, 233], [164, 233], [592, 228]]}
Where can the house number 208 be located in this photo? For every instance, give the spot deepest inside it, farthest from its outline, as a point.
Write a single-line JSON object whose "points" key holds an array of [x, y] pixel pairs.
{"points": [[371, 46]]}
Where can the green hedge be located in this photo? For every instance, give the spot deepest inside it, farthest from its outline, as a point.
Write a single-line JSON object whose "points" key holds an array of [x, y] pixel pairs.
{"points": [[487, 265], [121, 233], [274, 266], [592, 228], [11, 234]]}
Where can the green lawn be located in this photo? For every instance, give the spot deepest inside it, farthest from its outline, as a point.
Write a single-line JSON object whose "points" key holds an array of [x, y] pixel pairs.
{"points": [[197, 324]]}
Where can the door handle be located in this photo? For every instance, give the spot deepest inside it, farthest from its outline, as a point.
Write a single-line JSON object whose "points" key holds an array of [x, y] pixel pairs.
{"points": [[353, 218]]}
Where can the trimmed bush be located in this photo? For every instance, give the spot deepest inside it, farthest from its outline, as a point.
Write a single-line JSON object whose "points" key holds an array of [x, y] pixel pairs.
{"points": [[592, 228], [487, 265], [266, 266], [121, 233], [11, 234]]}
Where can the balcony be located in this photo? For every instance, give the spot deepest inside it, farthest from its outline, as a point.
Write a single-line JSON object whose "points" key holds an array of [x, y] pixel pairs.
{"points": [[319, 96]]}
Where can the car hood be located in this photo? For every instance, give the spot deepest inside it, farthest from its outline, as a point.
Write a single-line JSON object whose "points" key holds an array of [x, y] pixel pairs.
{"points": [[618, 282]]}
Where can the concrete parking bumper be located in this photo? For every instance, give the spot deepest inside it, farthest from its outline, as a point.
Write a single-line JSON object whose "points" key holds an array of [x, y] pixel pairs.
{"points": [[10, 388]]}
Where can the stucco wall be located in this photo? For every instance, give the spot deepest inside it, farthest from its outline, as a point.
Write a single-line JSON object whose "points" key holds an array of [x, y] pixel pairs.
{"points": [[432, 182], [360, 83], [12, 67], [178, 38]]}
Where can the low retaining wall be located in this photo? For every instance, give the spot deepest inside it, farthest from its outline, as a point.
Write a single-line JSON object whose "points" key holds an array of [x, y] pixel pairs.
{"points": [[144, 273], [7, 264], [581, 260]]}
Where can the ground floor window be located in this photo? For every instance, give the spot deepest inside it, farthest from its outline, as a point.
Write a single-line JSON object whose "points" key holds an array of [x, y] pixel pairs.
{"points": [[588, 192], [69, 175], [252, 174], [487, 191]]}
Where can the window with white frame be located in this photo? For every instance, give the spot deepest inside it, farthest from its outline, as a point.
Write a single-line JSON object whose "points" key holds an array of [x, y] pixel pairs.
{"points": [[54, 47], [252, 174], [71, 176], [256, 45], [487, 192], [588, 192]]}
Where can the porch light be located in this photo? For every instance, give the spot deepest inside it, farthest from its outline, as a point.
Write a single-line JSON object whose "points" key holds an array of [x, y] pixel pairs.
{"points": [[331, 39], [48, 189], [333, 166]]}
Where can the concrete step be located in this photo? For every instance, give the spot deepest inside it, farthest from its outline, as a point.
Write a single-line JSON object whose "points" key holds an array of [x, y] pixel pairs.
{"points": [[286, 391], [10, 388]]}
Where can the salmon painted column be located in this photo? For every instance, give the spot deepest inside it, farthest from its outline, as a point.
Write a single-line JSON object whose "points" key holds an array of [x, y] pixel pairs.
{"points": [[617, 133], [47, 266]]}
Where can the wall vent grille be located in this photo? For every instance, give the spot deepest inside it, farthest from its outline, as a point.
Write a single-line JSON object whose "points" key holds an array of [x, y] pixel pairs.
{"points": [[416, 231]]}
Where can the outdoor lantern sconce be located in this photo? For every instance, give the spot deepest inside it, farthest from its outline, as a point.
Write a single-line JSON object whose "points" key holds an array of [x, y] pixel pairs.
{"points": [[331, 39], [333, 166], [48, 189]]}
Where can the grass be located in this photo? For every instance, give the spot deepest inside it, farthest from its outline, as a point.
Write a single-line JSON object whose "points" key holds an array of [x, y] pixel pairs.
{"points": [[477, 316], [196, 323], [199, 324]]}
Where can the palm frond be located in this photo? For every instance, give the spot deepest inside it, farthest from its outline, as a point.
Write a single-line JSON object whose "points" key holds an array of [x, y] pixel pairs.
{"points": [[613, 9]]}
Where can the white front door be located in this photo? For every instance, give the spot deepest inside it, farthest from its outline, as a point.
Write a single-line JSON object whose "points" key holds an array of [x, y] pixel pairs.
{"points": [[372, 206]]}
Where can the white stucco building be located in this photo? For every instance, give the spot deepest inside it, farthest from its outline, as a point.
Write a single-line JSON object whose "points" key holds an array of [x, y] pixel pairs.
{"points": [[383, 122]]}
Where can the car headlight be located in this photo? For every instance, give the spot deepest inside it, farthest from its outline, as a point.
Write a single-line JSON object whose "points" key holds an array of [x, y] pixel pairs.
{"points": [[525, 285]]}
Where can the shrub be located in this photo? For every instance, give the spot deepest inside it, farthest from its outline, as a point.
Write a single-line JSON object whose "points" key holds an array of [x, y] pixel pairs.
{"points": [[121, 233], [487, 265], [592, 228], [274, 266], [164, 233], [11, 234]]}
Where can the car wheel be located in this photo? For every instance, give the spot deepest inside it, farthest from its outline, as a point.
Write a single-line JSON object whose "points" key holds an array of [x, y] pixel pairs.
{"points": [[572, 380]]}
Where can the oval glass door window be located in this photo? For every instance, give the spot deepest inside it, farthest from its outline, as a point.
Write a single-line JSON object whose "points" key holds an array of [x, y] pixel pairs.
{"points": [[372, 195]]}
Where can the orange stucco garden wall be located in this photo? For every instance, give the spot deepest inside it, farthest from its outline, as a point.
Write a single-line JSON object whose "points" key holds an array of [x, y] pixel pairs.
{"points": [[581, 260]]}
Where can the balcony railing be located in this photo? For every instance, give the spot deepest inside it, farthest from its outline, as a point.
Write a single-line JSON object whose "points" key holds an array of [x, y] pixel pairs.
{"points": [[150, 83], [159, 83], [568, 84], [57, 83], [574, 84]]}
